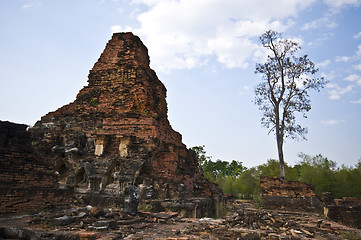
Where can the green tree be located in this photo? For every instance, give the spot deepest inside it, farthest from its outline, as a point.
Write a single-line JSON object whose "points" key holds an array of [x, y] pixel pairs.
{"points": [[284, 89], [223, 168], [347, 181], [272, 168], [201, 154], [225, 174], [318, 171], [218, 168], [249, 183]]}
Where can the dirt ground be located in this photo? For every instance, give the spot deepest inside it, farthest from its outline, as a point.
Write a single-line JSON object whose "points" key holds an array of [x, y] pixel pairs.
{"points": [[243, 221]]}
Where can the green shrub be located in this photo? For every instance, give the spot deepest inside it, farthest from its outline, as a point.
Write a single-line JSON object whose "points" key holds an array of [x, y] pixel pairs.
{"points": [[94, 102]]}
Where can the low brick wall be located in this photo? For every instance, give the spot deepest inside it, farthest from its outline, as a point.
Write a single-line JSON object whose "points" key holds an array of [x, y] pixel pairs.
{"points": [[26, 181], [346, 210], [281, 194], [32, 199]]}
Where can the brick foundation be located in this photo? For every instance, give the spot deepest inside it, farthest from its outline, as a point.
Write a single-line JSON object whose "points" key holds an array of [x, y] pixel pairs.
{"points": [[288, 195]]}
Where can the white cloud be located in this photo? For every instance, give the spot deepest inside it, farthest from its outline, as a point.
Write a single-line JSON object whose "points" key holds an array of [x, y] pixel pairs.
{"points": [[351, 58], [31, 5], [357, 101], [327, 20], [342, 59], [104, 1], [329, 76], [245, 89], [336, 91], [187, 33], [356, 36], [332, 24], [342, 3], [320, 40], [120, 10], [311, 25], [358, 52], [27, 6], [146, 2], [330, 122], [354, 78], [331, 85], [357, 67], [227, 49], [324, 63], [117, 28]]}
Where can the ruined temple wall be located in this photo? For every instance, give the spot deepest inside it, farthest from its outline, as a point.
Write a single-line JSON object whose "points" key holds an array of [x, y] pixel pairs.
{"points": [[274, 186], [25, 199], [348, 215], [280, 194], [126, 47], [346, 210], [27, 183], [119, 125]]}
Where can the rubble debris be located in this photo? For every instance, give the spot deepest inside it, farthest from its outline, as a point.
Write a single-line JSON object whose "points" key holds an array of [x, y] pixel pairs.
{"points": [[243, 221]]}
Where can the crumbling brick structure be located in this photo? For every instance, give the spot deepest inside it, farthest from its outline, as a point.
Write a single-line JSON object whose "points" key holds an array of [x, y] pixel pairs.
{"points": [[117, 133], [281, 194], [346, 210], [26, 181]]}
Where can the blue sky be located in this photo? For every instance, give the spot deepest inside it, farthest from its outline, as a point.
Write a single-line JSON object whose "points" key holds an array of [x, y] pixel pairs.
{"points": [[205, 53]]}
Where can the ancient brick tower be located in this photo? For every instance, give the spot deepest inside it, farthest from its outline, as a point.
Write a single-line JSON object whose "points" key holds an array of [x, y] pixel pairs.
{"points": [[117, 133]]}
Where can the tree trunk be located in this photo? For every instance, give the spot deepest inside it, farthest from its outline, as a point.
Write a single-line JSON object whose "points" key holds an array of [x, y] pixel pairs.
{"points": [[280, 155], [279, 139]]}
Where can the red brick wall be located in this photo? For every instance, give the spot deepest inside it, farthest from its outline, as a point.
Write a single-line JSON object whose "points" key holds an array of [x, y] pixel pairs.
{"points": [[281, 194], [346, 210], [26, 182]]}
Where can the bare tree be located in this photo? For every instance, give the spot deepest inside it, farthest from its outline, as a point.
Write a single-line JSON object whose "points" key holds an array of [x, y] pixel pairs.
{"points": [[283, 91]]}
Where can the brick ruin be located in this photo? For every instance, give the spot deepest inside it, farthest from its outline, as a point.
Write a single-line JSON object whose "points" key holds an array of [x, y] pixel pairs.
{"points": [[346, 210], [117, 133], [26, 180], [281, 194]]}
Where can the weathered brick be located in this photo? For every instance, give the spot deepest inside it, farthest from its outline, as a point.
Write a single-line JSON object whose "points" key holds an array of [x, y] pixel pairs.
{"points": [[27, 182], [119, 125], [277, 193]]}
